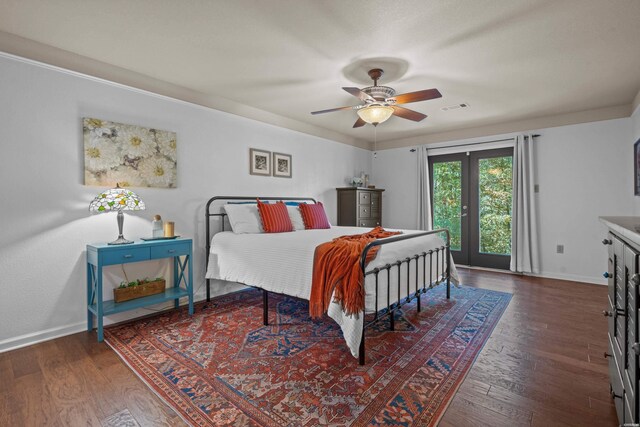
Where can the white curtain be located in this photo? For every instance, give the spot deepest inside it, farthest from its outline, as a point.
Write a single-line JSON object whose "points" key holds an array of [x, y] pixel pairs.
{"points": [[524, 232], [424, 190]]}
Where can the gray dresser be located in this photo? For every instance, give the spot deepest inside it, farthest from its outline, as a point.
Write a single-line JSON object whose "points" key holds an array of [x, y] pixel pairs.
{"points": [[623, 242], [359, 207]]}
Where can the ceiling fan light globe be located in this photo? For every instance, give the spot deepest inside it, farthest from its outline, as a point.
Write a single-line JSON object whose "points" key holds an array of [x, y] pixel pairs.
{"points": [[375, 114]]}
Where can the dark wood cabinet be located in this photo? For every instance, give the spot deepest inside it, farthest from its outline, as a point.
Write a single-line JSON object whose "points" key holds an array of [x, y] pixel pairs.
{"points": [[359, 207], [622, 316]]}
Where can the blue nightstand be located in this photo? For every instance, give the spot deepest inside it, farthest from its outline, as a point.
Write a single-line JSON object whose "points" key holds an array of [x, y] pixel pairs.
{"points": [[101, 255]]}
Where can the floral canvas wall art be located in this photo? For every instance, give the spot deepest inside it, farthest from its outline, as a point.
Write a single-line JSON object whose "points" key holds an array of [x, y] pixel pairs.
{"points": [[132, 156]]}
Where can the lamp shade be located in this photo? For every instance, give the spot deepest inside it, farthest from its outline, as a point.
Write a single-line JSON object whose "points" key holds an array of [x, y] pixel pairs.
{"points": [[375, 114], [117, 199]]}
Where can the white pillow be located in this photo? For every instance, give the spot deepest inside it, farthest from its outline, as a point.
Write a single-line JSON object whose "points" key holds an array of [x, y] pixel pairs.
{"points": [[244, 218], [296, 217]]}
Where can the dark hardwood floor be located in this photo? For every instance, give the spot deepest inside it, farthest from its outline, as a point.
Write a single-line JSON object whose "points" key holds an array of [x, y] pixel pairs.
{"points": [[542, 366]]}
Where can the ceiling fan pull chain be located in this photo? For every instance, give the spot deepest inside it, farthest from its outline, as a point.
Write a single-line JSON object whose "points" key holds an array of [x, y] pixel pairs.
{"points": [[375, 141]]}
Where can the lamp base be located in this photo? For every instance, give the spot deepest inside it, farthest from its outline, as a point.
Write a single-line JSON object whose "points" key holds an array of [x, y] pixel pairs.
{"points": [[121, 241]]}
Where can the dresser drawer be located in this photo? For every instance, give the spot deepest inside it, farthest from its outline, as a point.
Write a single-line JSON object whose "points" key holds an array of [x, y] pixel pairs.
{"points": [[364, 198], [125, 255], [364, 211], [368, 223], [616, 381], [174, 249]]}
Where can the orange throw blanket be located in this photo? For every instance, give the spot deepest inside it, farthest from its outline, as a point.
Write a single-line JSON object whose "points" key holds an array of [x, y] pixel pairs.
{"points": [[336, 268]]}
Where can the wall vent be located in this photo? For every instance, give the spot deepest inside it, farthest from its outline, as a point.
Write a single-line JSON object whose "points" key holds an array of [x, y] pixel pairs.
{"points": [[455, 107]]}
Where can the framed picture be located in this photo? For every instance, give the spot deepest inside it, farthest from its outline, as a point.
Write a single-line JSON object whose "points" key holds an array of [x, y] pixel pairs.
{"points": [[282, 165], [259, 162], [636, 168]]}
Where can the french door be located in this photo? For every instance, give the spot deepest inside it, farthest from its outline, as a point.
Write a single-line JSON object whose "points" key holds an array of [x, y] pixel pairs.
{"points": [[471, 195]]}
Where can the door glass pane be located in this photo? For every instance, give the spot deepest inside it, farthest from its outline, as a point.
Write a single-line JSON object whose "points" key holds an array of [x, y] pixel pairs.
{"points": [[447, 195], [495, 188]]}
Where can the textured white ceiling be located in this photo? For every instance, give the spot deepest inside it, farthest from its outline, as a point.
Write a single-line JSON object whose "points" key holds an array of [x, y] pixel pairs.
{"points": [[510, 60]]}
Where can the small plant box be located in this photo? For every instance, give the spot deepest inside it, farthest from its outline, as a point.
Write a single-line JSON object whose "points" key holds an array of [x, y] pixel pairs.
{"points": [[142, 289]]}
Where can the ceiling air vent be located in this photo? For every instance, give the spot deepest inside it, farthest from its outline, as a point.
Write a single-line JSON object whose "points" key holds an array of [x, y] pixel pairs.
{"points": [[455, 106]]}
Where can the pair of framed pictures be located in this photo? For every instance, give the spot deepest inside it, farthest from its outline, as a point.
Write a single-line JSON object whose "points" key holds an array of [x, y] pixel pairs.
{"points": [[264, 162]]}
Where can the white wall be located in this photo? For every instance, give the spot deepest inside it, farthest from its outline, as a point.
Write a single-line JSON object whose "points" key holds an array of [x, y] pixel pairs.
{"points": [[45, 224], [583, 172]]}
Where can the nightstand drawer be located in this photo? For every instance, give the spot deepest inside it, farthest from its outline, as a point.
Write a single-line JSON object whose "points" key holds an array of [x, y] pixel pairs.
{"points": [[125, 255], [364, 198], [174, 249]]}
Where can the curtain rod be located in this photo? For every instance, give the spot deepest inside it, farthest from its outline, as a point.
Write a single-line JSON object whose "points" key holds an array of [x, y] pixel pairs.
{"points": [[480, 142]]}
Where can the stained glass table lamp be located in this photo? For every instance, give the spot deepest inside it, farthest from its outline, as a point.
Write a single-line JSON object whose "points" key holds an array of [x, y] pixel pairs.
{"points": [[117, 199]]}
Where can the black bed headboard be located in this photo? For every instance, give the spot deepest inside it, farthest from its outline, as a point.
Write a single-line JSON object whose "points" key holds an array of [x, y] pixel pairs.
{"points": [[220, 212]]}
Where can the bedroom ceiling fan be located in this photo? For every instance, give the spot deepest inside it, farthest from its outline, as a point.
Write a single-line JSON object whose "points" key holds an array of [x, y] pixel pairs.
{"points": [[381, 102]]}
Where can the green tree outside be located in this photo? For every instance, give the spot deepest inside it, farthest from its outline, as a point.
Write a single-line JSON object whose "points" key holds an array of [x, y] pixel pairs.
{"points": [[447, 194], [495, 197], [495, 188]]}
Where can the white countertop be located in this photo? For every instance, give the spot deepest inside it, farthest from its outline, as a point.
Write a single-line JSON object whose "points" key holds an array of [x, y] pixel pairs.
{"points": [[627, 227]]}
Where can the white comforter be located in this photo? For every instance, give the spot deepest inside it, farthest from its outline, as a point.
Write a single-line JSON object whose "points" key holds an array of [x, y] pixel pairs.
{"points": [[283, 263]]}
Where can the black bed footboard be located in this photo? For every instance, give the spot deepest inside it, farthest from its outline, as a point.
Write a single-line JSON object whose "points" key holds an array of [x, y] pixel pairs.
{"points": [[443, 274]]}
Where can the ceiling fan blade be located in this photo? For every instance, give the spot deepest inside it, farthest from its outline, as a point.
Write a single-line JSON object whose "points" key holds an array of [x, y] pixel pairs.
{"points": [[359, 94], [332, 109], [421, 95], [405, 113], [359, 123]]}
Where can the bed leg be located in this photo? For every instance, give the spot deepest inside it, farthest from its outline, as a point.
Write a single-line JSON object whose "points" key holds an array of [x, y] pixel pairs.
{"points": [[448, 254], [265, 307], [361, 351], [208, 290], [392, 320]]}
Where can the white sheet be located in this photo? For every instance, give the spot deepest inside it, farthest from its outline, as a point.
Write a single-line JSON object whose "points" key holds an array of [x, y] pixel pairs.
{"points": [[283, 263]]}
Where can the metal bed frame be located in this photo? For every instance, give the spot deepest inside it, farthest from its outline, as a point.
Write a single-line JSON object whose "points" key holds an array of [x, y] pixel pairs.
{"points": [[442, 264]]}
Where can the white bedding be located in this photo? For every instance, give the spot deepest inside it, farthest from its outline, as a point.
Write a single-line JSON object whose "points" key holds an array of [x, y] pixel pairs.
{"points": [[283, 263]]}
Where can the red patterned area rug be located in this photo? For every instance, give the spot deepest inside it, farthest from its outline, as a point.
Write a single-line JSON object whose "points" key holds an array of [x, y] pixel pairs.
{"points": [[223, 367]]}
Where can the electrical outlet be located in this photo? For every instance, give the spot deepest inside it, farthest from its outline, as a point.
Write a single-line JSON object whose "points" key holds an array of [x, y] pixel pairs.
{"points": [[560, 249]]}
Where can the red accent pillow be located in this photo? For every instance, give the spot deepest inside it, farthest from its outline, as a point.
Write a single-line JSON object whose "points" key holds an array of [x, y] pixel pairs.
{"points": [[314, 216], [275, 217]]}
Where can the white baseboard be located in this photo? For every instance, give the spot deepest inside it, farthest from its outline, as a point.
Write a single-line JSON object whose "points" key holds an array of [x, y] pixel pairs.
{"points": [[32, 338], [40, 336], [572, 277], [546, 275]]}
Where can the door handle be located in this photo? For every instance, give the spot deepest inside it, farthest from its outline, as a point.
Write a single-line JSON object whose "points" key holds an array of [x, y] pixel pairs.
{"points": [[464, 214]]}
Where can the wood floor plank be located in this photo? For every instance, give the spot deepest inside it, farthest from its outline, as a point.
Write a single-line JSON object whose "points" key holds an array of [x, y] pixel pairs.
{"points": [[94, 381], [23, 362], [141, 402], [37, 406], [70, 396], [510, 410], [463, 412]]}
